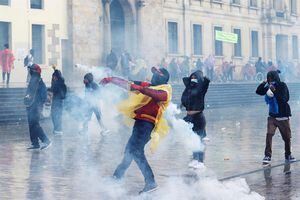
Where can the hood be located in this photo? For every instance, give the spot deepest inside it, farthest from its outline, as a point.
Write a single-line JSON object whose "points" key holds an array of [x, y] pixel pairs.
{"points": [[274, 75], [199, 76]]}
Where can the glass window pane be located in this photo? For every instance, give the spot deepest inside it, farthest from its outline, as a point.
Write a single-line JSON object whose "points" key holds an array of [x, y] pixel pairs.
{"points": [[4, 34], [197, 33], [238, 45], [4, 2], [173, 37], [38, 43], [218, 44], [254, 43], [36, 4], [295, 47]]}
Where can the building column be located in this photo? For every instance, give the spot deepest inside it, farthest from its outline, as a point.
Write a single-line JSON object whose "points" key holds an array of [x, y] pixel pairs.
{"points": [[139, 18], [106, 28]]}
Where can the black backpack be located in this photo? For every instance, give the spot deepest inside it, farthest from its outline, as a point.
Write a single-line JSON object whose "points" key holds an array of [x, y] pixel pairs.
{"points": [[26, 61]]}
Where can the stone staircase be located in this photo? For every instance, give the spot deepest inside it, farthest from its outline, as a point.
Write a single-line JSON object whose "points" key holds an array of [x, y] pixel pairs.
{"points": [[12, 109]]}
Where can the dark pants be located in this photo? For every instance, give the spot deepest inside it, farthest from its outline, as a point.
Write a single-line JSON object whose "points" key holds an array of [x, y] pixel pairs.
{"points": [[3, 77], [56, 114], [285, 131], [199, 123], [134, 150], [35, 130]]}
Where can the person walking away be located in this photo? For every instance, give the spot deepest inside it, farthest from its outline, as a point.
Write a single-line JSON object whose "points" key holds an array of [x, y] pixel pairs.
{"points": [[59, 91], [193, 99], [28, 61], [146, 105], [112, 60], [277, 96], [36, 96], [231, 69], [92, 99], [199, 65], [210, 65], [7, 63], [125, 64]]}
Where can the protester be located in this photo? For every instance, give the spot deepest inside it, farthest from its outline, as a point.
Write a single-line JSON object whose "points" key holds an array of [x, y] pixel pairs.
{"points": [[276, 96], [59, 91], [112, 60], [125, 64], [185, 66], [174, 70], [28, 61], [92, 100], [7, 63], [199, 65], [146, 106], [231, 69], [259, 66], [36, 96], [210, 65], [193, 100]]}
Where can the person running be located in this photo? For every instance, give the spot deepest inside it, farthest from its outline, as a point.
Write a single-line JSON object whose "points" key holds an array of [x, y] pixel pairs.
{"points": [[146, 106], [91, 98], [277, 96], [7, 62], [192, 99], [59, 91], [36, 96]]}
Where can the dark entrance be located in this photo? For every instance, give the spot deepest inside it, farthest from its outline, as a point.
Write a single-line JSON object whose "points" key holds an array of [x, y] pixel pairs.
{"points": [[117, 20]]}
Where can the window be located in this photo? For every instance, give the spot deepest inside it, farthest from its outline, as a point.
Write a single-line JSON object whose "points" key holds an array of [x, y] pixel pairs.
{"points": [[173, 37], [4, 34], [238, 45], [218, 44], [235, 2], [36, 4], [253, 3], [294, 6], [254, 43], [4, 2], [38, 43], [295, 47], [197, 35]]}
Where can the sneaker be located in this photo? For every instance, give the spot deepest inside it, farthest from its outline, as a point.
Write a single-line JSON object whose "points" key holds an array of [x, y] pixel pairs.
{"points": [[196, 164], [46, 145], [290, 159], [57, 133], [266, 160], [104, 132], [33, 147], [149, 188]]}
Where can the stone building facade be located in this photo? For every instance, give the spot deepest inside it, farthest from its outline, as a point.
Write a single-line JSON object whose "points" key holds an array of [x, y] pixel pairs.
{"points": [[153, 29]]}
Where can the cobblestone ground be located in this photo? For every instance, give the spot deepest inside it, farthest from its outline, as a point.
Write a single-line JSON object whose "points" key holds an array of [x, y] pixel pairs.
{"points": [[78, 166]]}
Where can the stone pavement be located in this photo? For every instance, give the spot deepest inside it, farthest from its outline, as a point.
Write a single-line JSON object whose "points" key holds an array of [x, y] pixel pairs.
{"points": [[79, 166]]}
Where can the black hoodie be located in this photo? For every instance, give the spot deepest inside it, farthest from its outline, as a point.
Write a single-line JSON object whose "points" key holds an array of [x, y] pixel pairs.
{"points": [[194, 94], [281, 94]]}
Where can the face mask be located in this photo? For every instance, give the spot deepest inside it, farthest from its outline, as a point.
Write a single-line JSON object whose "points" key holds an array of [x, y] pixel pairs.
{"points": [[194, 80]]}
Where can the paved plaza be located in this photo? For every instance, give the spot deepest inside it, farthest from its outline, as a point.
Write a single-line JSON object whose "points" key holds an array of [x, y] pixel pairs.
{"points": [[80, 166]]}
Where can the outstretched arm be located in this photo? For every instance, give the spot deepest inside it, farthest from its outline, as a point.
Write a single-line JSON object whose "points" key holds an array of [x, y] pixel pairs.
{"points": [[117, 81]]}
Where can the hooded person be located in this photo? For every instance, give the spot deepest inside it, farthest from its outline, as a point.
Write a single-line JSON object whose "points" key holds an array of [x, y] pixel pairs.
{"points": [[36, 96], [192, 100], [145, 107], [277, 96], [92, 99], [59, 91]]}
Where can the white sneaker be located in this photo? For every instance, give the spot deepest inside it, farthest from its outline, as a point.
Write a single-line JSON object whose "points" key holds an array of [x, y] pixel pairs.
{"points": [[105, 132], [196, 164]]}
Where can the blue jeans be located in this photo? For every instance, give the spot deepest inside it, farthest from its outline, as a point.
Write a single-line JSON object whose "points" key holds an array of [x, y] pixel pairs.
{"points": [[134, 150]]}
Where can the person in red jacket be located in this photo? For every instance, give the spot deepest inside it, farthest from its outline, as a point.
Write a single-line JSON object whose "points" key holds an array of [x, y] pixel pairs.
{"points": [[154, 97], [6, 61]]}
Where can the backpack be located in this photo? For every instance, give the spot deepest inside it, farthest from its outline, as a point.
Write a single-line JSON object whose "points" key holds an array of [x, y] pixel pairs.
{"points": [[63, 91], [26, 61]]}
